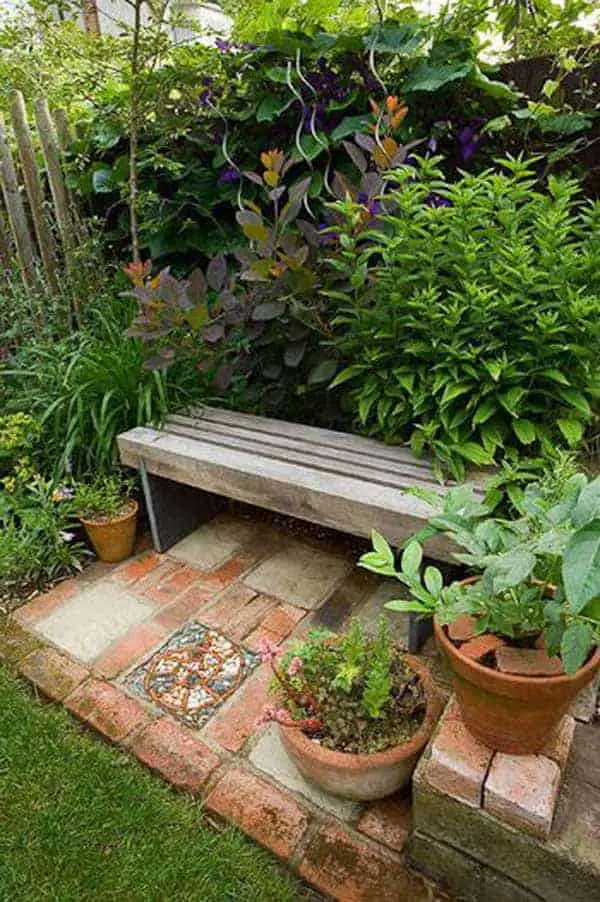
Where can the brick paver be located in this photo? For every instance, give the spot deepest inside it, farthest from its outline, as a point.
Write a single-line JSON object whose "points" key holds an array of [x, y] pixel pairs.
{"points": [[46, 603], [176, 754], [191, 605], [108, 709], [388, 822], [137, 644], [271, 817], [131, 571], [54, 674], [232, 726], [166, 590], [522, 790]]}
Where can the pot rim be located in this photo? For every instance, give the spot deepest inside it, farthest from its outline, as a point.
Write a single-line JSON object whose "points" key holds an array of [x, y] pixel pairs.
{"points": [[359, 761], [127, 515], [512, 679]]}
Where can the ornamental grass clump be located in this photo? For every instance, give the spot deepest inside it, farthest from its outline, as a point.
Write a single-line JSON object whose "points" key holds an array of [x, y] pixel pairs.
{"points": [[351, 693]]}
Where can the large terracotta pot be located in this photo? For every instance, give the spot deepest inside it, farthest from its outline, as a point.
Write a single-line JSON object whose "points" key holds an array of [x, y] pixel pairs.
{"points": [[511, 713], [113, 540], [365, 777]]}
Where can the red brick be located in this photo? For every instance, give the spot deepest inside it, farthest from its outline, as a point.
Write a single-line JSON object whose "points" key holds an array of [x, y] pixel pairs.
{"points": [[559, 745], [44, 604], [522, 790], [527, 662], [188, 606], [176, 754], [458, 763], [463, 628], [249, 617], [282, 620], [232, 726], [228, 572], [388, 822], [166, 590], [481, 646], [349, 870], [227, 609], [54, 674], [138, 568], [108, 709], [136, 644], [255, 639], [271, 817], [157, 576]]}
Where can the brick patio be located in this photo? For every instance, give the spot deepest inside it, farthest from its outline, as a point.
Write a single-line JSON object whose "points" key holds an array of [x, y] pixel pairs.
{"points": [[86, 643]]}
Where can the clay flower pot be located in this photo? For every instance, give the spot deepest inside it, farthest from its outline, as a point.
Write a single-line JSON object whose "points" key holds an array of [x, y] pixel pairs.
{"points": [[364, 777], [507, 712], [113, 539]]}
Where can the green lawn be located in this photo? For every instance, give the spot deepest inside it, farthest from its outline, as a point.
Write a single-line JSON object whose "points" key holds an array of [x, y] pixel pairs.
{"points": [[81, 821]]}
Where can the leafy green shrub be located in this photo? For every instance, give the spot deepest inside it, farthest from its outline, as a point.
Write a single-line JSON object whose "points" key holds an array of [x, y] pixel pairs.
{"points": [[19, 435], [539, 572], [469, 320], [37, 544]]}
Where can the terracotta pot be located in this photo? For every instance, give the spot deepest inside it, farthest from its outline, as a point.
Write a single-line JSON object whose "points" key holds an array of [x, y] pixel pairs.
{"points": [[511, 713], [113, 540], [365, 777]]}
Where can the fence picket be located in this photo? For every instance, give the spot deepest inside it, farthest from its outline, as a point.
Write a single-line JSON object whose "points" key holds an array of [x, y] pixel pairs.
{"points": [[16, 210]]}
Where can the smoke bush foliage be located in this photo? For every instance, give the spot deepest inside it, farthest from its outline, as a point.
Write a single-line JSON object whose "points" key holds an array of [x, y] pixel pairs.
{"points": [[469, 320]]}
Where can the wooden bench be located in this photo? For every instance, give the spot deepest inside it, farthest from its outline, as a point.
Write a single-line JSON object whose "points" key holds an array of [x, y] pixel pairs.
{"points": [[342, 481]]}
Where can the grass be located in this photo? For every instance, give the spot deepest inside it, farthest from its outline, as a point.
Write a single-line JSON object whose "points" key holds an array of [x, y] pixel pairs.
{"points": [[80, 820]]}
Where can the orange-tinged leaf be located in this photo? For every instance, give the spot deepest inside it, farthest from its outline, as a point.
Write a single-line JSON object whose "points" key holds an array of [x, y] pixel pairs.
{"points": [[374, 105], [265, 159], [399, 116], [391, 103], [271, 178]]}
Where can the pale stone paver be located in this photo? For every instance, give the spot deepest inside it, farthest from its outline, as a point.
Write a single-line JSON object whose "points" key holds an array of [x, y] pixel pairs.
{"points": [[299, 574], [88, 623], [584, 706], [214, 542], [373, 607], [270, 756]]}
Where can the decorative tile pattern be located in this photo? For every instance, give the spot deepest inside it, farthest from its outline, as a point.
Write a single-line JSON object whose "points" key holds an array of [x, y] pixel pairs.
{"points": [[193, 673]]}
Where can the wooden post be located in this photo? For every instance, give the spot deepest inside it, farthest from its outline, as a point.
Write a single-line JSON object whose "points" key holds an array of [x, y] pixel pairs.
{"points": [[52, 158], [16, 210], [91, 22], [33, 185], [64, 135], [63, 129], [5, 249]]}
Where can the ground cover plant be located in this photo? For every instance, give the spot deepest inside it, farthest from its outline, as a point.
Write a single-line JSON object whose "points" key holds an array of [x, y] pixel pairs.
{"points": [[78, 819]]}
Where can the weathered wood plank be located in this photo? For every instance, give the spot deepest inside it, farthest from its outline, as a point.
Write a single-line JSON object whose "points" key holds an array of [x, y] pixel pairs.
{"points": [[340, 502], [16, 210], [52, 157], [33, 186], [400, 477], [311, 434]]}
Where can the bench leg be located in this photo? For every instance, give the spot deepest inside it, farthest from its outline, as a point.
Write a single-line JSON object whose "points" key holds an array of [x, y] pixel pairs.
{"points": [[175, 510], [419, 630]]}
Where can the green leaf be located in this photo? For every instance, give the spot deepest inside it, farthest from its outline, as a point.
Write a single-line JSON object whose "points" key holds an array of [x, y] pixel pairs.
{"points": [[271, 107], [400, 39], [575, 646], [322, 372], [576, 400], [498, 124], [428, 77], [433, 581], [485, 411], [572, 431], [581, 566], [411, 559], [555, 375], [524, 430], [564, 123], [349, 373], [268, 310], [454, 391], [348, 126], [102, 181], [407, 607], [381, 545], [499, 90], [588, 504], [474, 453]]}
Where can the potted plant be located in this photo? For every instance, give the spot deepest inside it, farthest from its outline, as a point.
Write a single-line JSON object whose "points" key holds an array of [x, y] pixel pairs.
{"points": [[354, 711], [109, 515], [522, 634]]}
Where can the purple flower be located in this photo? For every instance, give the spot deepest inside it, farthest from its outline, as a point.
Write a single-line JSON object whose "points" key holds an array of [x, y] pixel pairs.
{"points": [[436, 200], [220, 44], [325, 236], [469, 140], [207, 80], [432, 145], [230, 174], [204, 97]]}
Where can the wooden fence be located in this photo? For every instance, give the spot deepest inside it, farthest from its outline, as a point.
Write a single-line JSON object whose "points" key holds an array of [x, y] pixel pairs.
{"points": [[39, 225]]}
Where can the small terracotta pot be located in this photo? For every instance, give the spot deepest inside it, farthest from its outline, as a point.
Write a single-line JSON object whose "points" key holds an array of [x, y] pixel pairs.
{"points": [[113, 540], [507, 712], [365, 777]]}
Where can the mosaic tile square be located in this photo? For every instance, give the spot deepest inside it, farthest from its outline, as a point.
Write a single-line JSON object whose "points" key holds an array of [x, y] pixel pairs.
{"points": [[193, 673]]}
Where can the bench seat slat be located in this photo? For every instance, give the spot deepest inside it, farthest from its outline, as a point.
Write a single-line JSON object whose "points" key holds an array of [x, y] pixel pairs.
{"points": [[314, 435], [399, 477], [331, 499]]}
